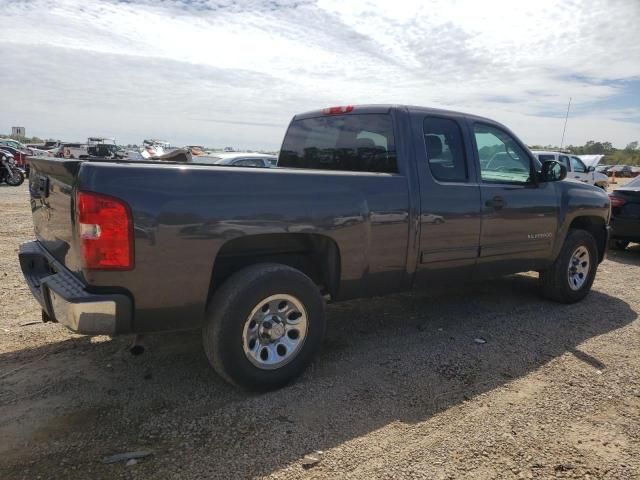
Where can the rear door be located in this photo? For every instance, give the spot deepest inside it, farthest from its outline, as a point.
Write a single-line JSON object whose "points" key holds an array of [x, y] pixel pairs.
{"points": [[519, 215], [450, 213]]}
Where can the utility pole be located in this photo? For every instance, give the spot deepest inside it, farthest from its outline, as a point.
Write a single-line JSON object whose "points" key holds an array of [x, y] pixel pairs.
{"points": [[565, 124]]}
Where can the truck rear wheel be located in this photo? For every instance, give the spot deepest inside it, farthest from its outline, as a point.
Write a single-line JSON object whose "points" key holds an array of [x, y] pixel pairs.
{"points": [[570, 277], [264, 326]]}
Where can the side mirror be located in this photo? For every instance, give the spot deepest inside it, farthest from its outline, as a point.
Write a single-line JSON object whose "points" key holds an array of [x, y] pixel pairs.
{"points": [[591, 169], [552, 171]]}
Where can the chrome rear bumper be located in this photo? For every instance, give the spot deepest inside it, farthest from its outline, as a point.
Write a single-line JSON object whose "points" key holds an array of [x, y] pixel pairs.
{"points": [[65, 299]]}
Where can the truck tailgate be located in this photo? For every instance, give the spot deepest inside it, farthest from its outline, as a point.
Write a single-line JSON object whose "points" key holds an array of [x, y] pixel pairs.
{"points": [[51, 183]]}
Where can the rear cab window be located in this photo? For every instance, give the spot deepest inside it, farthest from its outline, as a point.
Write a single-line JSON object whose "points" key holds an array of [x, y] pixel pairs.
{"points": [[356, 142]]}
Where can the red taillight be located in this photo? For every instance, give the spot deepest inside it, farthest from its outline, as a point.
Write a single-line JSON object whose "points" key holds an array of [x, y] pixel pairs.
{"points": [[337, 110], [106, 232], [616, 201]]}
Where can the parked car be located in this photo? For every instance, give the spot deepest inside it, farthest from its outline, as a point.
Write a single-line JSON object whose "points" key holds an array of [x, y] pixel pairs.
{"points": [[10, 142], [71, 150], [104, 148], [577, 171], [620, 171], [625, 214], [366, 200], [238, 159]]}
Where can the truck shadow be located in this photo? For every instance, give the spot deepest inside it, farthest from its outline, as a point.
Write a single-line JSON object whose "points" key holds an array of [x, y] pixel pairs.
{"points": [[401, 358]]}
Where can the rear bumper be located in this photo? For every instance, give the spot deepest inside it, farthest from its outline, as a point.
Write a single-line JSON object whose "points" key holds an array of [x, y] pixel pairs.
{"points": [[65, 299]]}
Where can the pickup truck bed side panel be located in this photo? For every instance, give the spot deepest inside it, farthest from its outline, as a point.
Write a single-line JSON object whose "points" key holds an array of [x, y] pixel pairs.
{"points": [[183, 216]]}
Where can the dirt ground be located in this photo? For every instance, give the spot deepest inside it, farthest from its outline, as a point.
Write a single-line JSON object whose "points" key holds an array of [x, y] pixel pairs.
{"points": [[402, 389]]}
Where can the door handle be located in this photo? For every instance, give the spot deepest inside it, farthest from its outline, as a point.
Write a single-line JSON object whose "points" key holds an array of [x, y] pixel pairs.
{"points": [[496, 202]]}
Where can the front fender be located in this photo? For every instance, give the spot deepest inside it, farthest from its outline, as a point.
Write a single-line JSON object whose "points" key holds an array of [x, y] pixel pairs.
{"points": [[582, 206]]}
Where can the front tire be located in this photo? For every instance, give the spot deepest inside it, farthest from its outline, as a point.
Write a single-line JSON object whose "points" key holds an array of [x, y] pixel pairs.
{"points": [[264, 326], [570, 277]]}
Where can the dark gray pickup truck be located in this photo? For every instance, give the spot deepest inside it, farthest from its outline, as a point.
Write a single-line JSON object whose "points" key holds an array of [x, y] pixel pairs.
{"points": [[366, 201]]}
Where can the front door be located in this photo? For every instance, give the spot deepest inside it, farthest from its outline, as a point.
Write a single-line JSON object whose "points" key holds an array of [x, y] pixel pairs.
{"points": [[579, 171], [450, 200], [519, 215]]}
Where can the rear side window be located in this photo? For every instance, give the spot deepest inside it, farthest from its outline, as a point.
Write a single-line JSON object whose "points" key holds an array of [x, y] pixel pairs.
{"points": [[357, 143], [445, 149], [545, 157]]}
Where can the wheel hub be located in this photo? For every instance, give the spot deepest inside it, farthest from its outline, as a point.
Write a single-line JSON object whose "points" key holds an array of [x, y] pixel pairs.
{"points": [[274, 331], [578, 270], [271, 329]]}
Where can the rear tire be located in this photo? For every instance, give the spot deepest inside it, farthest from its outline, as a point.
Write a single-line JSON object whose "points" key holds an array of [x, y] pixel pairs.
{"points": [[570, 277], [248, 337]]}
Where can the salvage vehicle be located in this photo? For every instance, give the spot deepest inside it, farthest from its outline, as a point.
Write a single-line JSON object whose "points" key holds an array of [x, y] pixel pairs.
{"points": [[10, 142], [625, 214], [104, 147], [239, 159], [577, 171], [365, 201], [71, 150]]}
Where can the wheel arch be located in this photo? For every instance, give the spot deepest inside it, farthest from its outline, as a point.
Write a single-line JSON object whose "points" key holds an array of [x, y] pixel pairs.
{"points": [[597, 227], [316, 255]]}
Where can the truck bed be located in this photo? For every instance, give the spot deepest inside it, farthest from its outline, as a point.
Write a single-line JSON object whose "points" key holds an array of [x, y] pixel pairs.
{"points": [[187, 215]]}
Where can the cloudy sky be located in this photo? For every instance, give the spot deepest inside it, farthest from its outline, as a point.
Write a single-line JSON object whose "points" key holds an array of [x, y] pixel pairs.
{"points": [[225, 72]]}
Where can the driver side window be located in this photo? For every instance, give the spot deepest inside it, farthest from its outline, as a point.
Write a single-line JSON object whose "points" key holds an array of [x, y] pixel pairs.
{"points": [[577, 165], [502, 160]]}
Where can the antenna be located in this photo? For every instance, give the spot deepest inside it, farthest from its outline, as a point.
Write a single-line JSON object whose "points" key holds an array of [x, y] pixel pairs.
{"points": [[565, 124]]}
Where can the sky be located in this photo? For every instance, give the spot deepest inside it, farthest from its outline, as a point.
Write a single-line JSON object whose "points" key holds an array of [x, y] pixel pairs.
{"points": [[233, 73]]}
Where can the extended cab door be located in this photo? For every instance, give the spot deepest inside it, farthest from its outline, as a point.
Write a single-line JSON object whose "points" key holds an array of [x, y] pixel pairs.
{"points": [[450, 198], [519, 215]]}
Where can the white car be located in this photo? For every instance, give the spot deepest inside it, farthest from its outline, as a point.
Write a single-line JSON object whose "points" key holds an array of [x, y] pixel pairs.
{"points": [[577, 171]]}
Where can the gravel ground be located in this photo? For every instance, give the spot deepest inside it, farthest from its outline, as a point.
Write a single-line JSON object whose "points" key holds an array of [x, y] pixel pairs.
{"points": [[402, 389]]}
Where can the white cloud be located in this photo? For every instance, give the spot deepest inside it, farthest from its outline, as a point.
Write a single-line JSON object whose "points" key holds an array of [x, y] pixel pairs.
{"points": [[225, 73]]}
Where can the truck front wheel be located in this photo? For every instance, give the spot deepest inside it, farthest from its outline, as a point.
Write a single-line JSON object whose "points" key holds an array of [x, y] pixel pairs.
{"points": [[264, 326], [570, 277]]}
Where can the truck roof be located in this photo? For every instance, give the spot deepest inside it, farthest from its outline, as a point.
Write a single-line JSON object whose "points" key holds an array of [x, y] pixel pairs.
{"points": [[385, 108]]}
